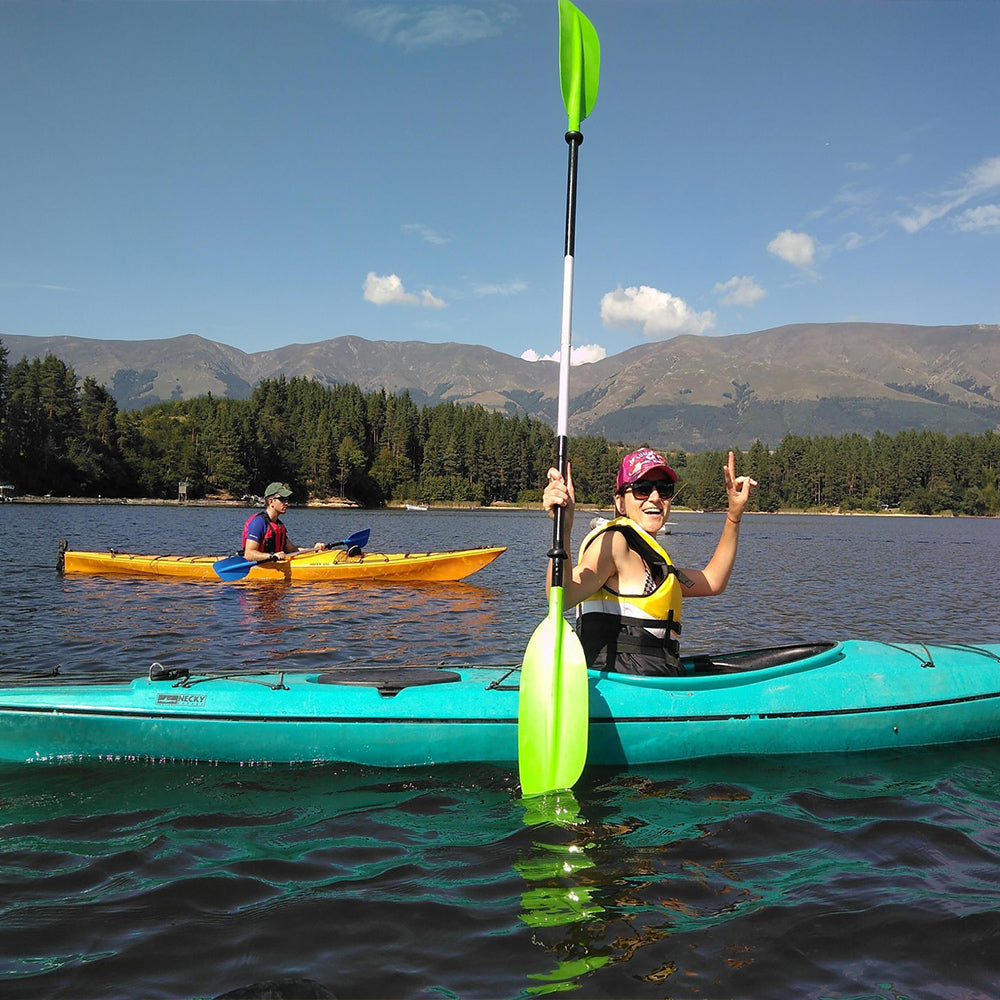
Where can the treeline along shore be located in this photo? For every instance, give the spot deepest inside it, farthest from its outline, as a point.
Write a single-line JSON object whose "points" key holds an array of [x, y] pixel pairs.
{"points": [[61, 437]]}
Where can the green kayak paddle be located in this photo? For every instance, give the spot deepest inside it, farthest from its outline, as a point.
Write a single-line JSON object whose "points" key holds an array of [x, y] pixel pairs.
{"points": [[236, 567], [553, 706]]}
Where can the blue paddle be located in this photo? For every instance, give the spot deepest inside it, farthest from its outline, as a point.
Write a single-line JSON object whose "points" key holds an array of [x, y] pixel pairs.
{"points": [[236, 567]]}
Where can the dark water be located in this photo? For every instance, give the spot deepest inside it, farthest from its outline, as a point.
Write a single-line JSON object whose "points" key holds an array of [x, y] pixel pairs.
{"points": [[837, 877]]}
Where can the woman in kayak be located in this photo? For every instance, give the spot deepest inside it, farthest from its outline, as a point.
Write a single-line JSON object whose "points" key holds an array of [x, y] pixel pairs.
{"points": [[627, 591], [265, 538]]}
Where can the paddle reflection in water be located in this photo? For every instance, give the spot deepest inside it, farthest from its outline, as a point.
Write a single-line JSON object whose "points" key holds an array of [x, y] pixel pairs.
{"points": [[558, 893], [703, 876], [597, 894]]}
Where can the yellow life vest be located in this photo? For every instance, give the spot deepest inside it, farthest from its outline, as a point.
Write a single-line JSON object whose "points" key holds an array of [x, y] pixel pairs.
{"points": [[635, 634]]}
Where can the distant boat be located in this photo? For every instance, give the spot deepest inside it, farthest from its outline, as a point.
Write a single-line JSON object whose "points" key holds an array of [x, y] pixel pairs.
{"points": [[416, 506]]}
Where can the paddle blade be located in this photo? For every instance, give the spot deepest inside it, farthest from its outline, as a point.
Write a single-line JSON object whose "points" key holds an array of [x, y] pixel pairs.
{"points": [[579, 63], [553, 706], [359, 538], [233, 568]]}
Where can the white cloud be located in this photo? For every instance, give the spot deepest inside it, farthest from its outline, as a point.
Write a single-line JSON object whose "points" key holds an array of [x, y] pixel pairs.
{"points": [[739, 291], [658, 314], [985, 218], [37, 285], [983, 178], [510, 288], [585, 355], [413, 26], [855, 241], [385, 290], [797, 249], [850, 199], [922, 217], [425, 233]]}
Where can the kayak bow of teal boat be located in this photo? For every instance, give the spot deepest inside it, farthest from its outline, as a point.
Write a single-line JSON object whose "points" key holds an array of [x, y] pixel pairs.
{"points": [[814, 698]]}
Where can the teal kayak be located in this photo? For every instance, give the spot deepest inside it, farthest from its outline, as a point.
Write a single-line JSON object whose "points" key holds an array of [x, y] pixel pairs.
{"points": [[830, 697]]}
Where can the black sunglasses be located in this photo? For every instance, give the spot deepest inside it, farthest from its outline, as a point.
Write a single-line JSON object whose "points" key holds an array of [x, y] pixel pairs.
{"points": [[643, 488]]}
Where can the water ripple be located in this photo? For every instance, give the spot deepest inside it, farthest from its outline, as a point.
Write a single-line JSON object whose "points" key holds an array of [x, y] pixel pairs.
{"points": [[839, 877]]}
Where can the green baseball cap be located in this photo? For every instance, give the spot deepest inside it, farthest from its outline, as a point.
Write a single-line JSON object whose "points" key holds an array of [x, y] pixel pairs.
{"points": [[277, 490]]}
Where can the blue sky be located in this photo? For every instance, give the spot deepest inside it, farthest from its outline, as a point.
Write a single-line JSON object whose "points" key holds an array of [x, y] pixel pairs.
{"points": [[267, 173]]}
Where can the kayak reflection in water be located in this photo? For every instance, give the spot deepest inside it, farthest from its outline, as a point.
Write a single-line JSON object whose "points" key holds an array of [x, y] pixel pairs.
{"points": [[626, 590], [265, 538]]}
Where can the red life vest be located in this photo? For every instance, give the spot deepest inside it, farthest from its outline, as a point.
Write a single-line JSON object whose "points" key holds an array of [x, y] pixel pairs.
{"points": [[275, 537]]}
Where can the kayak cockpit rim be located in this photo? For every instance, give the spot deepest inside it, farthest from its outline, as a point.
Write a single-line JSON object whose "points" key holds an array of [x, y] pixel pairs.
{"points": [[390, 680], [755, 659], [735, 668]]}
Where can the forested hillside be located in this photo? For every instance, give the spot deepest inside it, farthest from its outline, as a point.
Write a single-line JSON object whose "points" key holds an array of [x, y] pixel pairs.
{"points": [[65, 438]]}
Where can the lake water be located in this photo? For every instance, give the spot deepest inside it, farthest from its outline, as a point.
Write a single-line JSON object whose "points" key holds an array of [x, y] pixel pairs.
{"points": [[866, 876]]}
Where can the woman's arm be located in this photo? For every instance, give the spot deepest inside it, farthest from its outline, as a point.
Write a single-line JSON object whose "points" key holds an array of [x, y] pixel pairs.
{"points": [[584, 579], [714, 577]]}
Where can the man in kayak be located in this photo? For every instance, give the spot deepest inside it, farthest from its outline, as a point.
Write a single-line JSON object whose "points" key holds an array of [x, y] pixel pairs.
{"points": [[265, 538], [626, 590]]}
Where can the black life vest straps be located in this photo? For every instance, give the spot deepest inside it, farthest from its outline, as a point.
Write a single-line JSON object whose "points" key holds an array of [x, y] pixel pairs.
{"points": [[660, 567]]}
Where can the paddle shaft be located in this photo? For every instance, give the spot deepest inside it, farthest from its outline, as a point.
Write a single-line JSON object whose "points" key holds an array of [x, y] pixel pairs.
{"points": [[359, 538], [347, 543], [294, 555], [558, 551]]}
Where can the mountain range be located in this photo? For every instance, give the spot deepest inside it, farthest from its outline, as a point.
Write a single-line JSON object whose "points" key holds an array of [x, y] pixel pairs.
{"points": [[691, 392]]}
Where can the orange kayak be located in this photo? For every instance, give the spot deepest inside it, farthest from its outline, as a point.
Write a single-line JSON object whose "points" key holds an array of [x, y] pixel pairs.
{"points": [[333, 565]]}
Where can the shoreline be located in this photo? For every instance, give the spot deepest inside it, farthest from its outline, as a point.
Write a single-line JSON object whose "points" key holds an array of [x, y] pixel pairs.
{"points": [[154, 502], [341, 503]]}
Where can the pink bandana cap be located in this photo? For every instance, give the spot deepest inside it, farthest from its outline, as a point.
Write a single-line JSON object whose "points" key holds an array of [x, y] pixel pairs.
{"points": [[638, 465]]}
